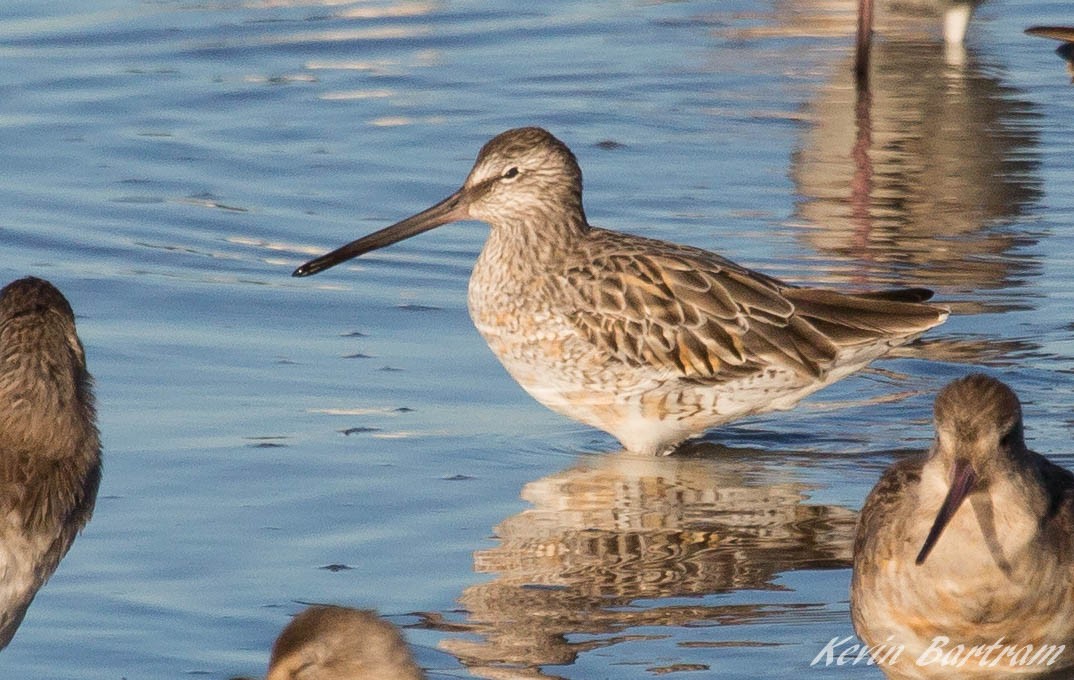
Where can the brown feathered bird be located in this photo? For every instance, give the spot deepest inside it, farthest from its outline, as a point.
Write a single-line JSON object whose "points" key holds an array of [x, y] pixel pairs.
{"points": [[327, 642], [50, 452], [971, 545], [650, 341]]}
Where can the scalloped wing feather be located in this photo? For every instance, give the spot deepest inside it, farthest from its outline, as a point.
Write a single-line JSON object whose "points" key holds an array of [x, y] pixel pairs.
{"points": [[695, 314], [696, 323]]}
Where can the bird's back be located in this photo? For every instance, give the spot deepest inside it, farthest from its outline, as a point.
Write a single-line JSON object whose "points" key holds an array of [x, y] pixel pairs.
{"points": [[50, 465]]}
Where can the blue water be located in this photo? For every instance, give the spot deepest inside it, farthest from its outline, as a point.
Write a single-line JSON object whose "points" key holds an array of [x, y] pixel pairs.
{"points": [[349, 438]]}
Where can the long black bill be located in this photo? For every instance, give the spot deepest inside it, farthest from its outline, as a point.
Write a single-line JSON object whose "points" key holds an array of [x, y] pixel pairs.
{"points": [[962, 484], [451, 209]]}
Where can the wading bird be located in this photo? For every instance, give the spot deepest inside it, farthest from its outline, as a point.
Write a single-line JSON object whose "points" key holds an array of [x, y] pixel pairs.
{"points": [[650, 341], [971, 545]]}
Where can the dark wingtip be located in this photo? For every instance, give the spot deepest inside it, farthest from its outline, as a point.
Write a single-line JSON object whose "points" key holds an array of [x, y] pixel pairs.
{"points": [[917, 294], [899, 294]]}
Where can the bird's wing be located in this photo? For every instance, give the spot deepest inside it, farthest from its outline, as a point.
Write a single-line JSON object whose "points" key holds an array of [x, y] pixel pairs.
{"points": [[706, 320], [1064, 33], [856, 319], [689, 312]]}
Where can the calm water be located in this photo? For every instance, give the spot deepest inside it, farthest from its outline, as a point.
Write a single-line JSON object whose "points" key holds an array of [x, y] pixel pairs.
{"points": [[349, 438]]}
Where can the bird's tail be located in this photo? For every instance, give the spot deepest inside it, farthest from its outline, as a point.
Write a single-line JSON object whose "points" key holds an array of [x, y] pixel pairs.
{"points": [[864, 318]]}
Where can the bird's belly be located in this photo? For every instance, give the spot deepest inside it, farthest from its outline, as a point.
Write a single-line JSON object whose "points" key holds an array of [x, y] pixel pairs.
{"points": [[968, 594], [23, 568], [646, 409], [936, 630]]}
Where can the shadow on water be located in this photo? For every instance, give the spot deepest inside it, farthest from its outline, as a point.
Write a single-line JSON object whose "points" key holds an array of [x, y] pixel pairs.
{"points": [[616, 529], [914, 180]]}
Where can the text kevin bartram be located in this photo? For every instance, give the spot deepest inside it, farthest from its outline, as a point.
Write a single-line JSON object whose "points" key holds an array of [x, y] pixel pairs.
{"points": [[942, 652]]}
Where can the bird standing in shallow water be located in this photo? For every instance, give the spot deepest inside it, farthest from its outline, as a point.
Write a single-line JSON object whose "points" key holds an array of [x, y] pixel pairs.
{"points": [[50, 455], [650, 341], [326, 642], [974, 543]]}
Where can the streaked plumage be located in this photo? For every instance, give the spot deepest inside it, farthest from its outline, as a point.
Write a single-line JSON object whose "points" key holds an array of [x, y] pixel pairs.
{"points": [[326, 642], [650, 341], [50, 464], [974, 542]]}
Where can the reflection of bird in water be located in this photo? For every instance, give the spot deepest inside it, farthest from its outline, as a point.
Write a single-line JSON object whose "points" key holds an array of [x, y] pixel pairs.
{"points": [[650, 341], [617, 529], [326, 642], [974, 543], [915, 184], [1063, 33], [50, 458], [956, 19]]}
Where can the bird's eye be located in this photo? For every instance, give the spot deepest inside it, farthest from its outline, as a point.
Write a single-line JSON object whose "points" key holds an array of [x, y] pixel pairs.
{"points": [[511, 173]]}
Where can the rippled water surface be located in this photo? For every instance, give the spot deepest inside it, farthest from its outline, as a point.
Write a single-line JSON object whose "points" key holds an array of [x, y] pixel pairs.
{"points": [[350, 439]]}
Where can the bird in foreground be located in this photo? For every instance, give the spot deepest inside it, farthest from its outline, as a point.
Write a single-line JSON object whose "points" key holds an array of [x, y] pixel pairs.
{"points": [[970, 545], [50, 453], [650, 341], [327, 642]]}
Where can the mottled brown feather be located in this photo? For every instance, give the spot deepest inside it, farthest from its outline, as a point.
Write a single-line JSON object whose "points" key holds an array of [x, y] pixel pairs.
{"points": [[717, 313]]}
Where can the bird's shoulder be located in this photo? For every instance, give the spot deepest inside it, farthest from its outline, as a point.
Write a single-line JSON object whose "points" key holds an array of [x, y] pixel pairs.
{"points": [[887, 503]]}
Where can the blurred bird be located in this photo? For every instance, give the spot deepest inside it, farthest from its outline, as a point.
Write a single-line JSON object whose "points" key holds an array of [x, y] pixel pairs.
{"points": [[1063, 33], [50, 452], [326, 642], [956, 20]]}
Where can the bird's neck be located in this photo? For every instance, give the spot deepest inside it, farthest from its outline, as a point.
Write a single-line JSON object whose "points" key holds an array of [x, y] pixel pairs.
{"points": [[536, 238]]}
